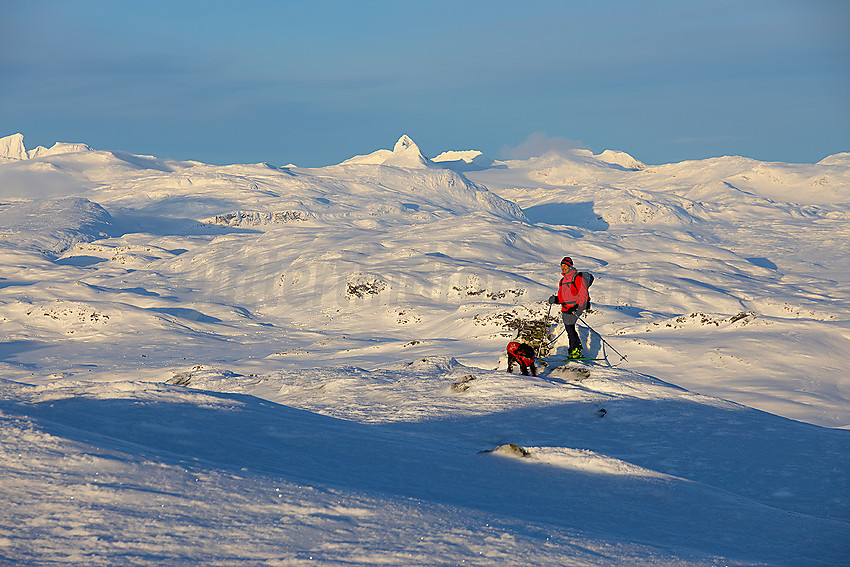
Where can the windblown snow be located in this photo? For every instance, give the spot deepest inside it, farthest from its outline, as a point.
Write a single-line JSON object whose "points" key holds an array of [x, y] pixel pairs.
{"points": [[260, 365]]}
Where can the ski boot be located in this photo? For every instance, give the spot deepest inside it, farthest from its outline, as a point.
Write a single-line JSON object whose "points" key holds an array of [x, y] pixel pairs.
{"points": [[575, 353]]}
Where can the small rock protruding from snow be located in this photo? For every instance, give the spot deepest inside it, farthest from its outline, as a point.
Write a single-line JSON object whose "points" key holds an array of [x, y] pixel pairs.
{"points": [[511, 450], [463, 384], [571, 372]]}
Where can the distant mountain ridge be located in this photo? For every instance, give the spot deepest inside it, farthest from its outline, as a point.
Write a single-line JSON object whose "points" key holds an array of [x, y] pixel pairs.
{"points": [[12, 148]]}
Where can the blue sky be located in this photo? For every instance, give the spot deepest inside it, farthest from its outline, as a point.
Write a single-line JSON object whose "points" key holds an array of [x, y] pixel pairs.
{"points": [[316, 82]]}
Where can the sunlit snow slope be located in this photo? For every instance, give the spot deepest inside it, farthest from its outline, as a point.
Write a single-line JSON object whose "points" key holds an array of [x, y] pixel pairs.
{"points": [[253, 364]]}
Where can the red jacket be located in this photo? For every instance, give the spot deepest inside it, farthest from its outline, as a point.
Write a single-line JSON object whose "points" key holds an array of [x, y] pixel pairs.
{"points": [[522, 352], [572, 291]]}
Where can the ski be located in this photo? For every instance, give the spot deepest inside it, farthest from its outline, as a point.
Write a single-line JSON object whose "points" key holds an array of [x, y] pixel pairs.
{"points": [[585, 361], [582, 359]]}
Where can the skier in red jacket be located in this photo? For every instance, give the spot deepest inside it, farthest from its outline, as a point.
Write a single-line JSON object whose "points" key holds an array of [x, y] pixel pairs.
{"points": [[574, 298]]}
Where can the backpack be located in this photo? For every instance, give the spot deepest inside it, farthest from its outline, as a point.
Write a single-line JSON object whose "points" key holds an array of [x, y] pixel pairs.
{"points": [[588, 279]]}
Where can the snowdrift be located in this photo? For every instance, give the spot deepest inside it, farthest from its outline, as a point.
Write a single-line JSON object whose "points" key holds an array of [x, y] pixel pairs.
{"points": [[52, 226]]}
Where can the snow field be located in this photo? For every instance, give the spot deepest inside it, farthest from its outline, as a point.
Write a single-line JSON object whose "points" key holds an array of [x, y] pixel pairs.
{"points": [[258, 365]]}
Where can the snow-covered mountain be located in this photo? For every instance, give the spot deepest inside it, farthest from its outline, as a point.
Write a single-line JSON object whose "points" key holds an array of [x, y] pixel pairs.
{"points": [[12, 148], [405, 154], [253, 364]]}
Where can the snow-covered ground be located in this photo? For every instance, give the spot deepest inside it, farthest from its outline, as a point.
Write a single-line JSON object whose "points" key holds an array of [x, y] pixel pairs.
{"points": [[263, 365]]}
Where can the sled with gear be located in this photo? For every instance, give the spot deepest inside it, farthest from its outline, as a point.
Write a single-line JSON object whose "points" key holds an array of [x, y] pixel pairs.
{"points": [[532, 342]]}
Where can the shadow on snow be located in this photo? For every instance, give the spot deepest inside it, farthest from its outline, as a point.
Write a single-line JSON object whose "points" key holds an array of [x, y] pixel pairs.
{"points": [[740, 483]]}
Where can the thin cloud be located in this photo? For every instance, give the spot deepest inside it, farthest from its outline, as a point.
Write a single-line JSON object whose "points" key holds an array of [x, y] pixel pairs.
{"points": [[538, 144]]}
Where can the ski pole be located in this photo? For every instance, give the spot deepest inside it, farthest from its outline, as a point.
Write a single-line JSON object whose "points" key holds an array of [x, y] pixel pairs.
{"points": [[556, 337], [543, 339], [604, 342]]}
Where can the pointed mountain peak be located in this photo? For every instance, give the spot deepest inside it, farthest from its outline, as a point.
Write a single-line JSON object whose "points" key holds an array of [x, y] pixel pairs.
{"points": [[407, 154], [405, 143]]}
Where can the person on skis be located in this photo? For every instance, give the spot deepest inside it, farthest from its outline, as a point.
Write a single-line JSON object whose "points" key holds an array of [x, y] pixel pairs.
{"points": [[574, 298]]}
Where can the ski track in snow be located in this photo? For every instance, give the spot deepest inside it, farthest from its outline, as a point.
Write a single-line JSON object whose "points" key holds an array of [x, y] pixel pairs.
{"points": [[257, 365]]}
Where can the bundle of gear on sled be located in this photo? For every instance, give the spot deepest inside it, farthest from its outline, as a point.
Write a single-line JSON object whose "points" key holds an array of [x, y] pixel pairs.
{"points": [[532, 341]]}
